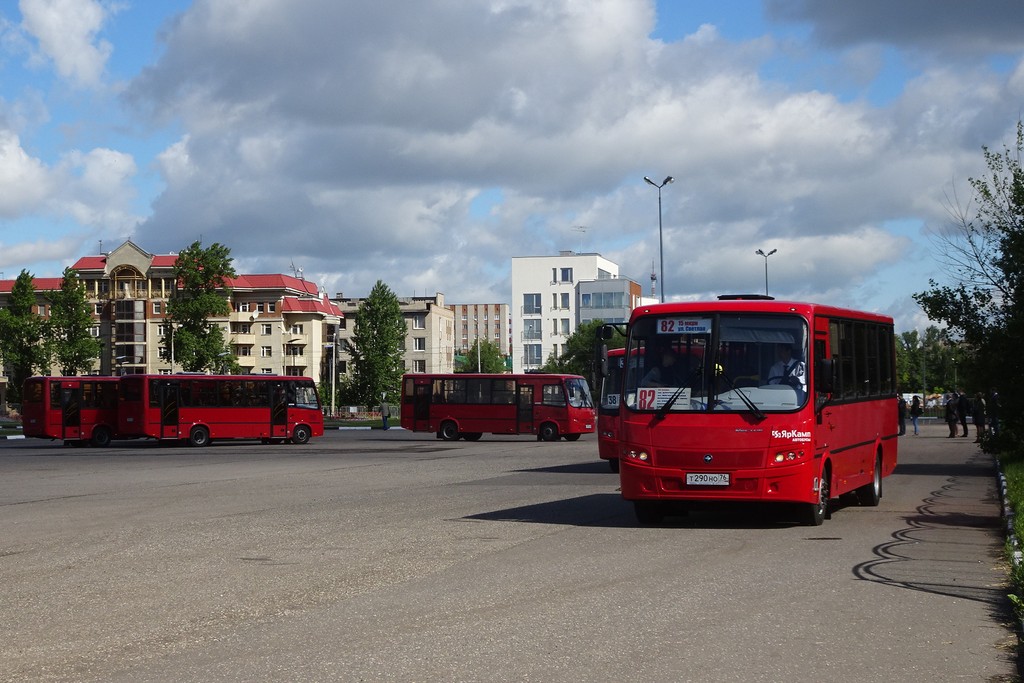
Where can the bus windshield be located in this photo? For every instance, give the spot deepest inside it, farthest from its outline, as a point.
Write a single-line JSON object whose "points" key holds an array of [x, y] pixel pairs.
{"points": [[579, 393], [717, 362]]}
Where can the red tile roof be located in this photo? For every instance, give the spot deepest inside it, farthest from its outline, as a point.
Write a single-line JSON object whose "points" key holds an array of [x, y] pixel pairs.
{"points": [[41, 284], [291, 304]]}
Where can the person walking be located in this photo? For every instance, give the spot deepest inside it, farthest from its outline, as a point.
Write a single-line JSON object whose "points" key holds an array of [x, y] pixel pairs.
{"points": [[951, 413], [915, 412], [979, 416], [963, 409]]}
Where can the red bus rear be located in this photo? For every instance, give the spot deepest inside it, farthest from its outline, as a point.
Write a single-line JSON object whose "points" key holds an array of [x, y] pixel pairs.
{"points": [[205, 408], [772, 401], [466, 405], [79, 410]]}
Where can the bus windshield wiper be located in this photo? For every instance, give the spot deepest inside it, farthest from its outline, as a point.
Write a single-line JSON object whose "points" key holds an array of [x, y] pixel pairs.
{"points": [[663, 410], [758, 413]]}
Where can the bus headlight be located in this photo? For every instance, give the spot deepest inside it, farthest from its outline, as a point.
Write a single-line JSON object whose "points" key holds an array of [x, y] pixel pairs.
{"points": [[784, 457], [636, 455]]}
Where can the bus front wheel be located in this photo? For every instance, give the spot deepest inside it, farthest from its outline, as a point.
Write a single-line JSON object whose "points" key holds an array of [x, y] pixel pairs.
{"points": [[199, 436], [548, 432], [449, 431], [301, 434], [100, 437], [815, 513]]}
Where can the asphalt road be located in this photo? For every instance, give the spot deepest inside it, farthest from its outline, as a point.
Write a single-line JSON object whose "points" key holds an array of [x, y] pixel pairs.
{"points": [[390, 556]]}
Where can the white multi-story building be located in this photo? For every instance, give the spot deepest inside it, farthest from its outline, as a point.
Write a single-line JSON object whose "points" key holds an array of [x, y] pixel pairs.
{"points": [[552, 294]]}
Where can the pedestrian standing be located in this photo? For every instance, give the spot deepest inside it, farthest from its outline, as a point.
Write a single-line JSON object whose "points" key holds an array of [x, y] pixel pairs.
{"points": [[385, 413], [901, 413], [963, 409], [992, 410], [915, 412], [979, 416], [951, 414]]}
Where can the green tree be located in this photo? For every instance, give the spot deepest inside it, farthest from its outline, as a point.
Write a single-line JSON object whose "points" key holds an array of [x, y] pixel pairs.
{"points": [[21, 334], [483, 356], [201, 293], [377, 341], [581, 351], [983, 307], [67, 330]]}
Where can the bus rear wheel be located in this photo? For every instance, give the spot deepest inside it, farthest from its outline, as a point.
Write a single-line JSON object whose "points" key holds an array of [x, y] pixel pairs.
{"points": [[449, 431], [100, 437], [870, 495], [472, 436], [301, 434], [199, 437], [548, 432], [572, 437]]}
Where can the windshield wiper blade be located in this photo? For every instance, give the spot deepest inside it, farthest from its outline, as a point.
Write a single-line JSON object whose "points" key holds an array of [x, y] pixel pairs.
{"points": [[758, 413], [663, 410]]}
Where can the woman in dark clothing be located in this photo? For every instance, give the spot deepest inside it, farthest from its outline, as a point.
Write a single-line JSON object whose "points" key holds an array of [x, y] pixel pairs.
{"points": [[951, 415]]}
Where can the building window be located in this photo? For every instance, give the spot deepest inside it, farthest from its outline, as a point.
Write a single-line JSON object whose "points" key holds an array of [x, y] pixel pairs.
{"points": [[266, 371], [419, 366], [566, 275], [297, 328], [266, 329], [243, 350], [584, 301], [565, 327], [158, 307], [419, 322], [564, 301], [419, 344], [241, 328], [243, 307], [98, 309], [266, 352], [532, 354], [531, 304], [532, 329], [271, 306]]}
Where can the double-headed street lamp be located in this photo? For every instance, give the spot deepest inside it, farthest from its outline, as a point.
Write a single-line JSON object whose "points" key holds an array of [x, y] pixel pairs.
{"points": [[661, 243], [760, 252]]}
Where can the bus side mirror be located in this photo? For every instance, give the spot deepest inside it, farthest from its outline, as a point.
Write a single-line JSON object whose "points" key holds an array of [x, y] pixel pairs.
{"points": [[825, 376], [602, 358], [606, 332]]}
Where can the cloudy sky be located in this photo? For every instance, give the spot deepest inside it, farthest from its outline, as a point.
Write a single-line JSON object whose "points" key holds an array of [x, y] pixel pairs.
{"points": [[425, 143]]}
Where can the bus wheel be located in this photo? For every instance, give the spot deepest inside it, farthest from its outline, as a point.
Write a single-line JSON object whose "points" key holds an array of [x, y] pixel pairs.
{"points": [[815, 513], [472, 436], [301, 434], [199, 437], [870, 494], [648, 512], [548, 432], [613, 465], [572, 437], [100, 437], [449, 431]]}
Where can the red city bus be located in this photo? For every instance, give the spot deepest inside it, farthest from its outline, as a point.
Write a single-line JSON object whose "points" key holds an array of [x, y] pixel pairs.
{"points": [[79, 410], [608, 408], [784, 402], [204, 408], [466, 405]]}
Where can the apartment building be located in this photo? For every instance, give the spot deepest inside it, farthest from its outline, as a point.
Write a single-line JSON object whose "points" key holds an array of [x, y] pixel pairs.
{"points": [[430, 333], [552, 295], [277, 324], [488, 322]]}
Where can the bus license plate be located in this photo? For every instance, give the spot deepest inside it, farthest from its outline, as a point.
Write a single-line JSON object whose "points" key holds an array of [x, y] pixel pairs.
{"points": [[707, 479]]}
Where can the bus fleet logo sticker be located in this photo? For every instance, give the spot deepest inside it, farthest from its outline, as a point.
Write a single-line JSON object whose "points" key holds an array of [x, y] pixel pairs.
{"points": [[791, 434]]}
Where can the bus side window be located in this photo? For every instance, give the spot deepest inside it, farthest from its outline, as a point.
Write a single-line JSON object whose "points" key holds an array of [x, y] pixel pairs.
{"points": [[553, 395]]}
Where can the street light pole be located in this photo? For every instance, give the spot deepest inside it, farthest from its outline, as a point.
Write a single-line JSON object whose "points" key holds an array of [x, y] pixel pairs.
{"points": [[760, 252], [661, 243]]}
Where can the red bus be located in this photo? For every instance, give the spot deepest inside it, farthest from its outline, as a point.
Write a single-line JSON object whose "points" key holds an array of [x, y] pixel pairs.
{"points": [[79, 410], [466, 405], [205, 408], [608, 408], [773, 401]]}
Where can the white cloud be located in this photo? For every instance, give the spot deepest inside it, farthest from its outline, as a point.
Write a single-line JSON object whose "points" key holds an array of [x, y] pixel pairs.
{"points": [[66, 32]]}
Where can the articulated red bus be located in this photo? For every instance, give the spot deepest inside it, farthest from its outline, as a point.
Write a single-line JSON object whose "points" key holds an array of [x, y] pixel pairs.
{"points": [[79, 410], [205, 408], [466, 405], [751, 399]]}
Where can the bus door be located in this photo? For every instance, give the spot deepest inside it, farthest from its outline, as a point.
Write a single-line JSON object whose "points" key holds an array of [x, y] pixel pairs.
{"points": [[278, 410], [169, 399], [421, 407], [71, 410], [524, 412]]}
